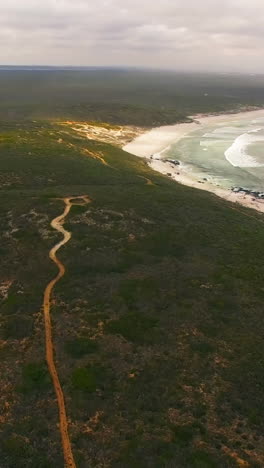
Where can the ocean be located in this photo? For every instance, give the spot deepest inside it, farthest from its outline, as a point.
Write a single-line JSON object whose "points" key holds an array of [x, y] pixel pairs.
{"points": [[228, 154]]}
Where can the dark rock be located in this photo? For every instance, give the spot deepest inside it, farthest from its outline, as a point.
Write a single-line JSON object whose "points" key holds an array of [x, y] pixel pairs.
{"points": [[173, 161], [245, 191]]}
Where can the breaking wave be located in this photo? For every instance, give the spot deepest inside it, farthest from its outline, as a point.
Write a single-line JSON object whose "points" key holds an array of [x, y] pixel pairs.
{"points": [[237, 154]]}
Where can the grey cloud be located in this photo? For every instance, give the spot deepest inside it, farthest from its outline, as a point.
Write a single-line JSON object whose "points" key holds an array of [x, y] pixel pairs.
{"points": [[212, 34]]}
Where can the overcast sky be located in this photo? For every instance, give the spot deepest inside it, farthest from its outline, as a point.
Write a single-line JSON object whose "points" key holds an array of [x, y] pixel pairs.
{"points": [[181, 34]]}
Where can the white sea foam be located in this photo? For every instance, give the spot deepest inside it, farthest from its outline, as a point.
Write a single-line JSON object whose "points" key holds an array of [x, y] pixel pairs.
{"points": [[213, 136], [211, 142], [226, 130], [223, 133], [237, 153]]}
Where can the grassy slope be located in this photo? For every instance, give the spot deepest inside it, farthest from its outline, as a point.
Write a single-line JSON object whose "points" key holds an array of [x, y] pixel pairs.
{"points": [[158, 321]]}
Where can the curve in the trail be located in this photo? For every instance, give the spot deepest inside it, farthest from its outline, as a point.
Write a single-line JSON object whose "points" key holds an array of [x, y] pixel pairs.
{"points": [[57, 224], [148, 181]]}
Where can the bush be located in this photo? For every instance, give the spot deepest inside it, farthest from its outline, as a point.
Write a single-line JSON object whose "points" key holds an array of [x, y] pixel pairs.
{"points": [[137, 290], [132, 326], [202, 459], [183, 434], [80, 347], [21, 453], [18, 328], [84, 379], [78, 209], [35, 377], [202, 347], [15, 446], [12, 304]]}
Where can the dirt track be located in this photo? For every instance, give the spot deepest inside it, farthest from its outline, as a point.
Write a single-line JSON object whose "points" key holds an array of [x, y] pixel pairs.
{"points": [[57, 223]]}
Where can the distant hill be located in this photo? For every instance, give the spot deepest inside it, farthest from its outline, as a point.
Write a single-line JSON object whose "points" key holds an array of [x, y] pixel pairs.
{"points": [[121, 96]]}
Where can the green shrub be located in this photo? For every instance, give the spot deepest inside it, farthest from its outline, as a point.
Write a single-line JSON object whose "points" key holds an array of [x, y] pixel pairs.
{"points": [[183, 434], [78, 209], [132, 326], [202, 347], [202, 459], [200, 410], [134, 290], [80, 347], [158, 452], [18, 328], [22, 454], [11, 304], [35, 377], [84, 379], [15, 446]]}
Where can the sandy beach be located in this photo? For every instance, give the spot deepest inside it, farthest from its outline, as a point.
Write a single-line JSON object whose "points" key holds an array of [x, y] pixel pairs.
{"points": [[152, 144]]}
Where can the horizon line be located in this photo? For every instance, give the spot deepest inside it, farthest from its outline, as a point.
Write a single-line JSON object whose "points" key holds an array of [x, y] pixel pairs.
{"points": [[123, 67]]}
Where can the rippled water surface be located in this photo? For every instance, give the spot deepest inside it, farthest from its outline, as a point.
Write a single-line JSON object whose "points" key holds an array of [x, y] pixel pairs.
{"points": [[228, 154]]}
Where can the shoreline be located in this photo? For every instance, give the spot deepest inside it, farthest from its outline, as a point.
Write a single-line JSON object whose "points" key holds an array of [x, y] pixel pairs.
{"points": [[153, 143]]}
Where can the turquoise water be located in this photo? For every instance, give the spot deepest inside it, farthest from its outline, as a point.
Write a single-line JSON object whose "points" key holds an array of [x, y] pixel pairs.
{"points": [[228, 154]]}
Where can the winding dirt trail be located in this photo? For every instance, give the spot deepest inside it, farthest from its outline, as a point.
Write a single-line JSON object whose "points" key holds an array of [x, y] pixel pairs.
{"points": [[148, 181], [57, 224]]}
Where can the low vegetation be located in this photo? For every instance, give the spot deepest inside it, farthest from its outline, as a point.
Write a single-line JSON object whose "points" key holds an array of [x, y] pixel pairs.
{"points": [[157, 323], [123, 97]]}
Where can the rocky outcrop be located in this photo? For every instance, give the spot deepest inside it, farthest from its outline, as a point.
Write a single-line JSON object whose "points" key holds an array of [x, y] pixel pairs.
{"points": [[254, 193]]}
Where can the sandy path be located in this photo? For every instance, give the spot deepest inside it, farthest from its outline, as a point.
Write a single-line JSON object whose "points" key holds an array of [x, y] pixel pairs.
{"points": [[57, 223], [148, 181]]}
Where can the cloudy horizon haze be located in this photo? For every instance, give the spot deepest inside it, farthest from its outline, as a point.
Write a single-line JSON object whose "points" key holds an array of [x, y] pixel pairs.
{"points": [[211, 35]]}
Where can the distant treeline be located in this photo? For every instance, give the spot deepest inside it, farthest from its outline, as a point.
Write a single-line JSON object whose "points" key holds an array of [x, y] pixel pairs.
{"points": [[121, 96]]}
